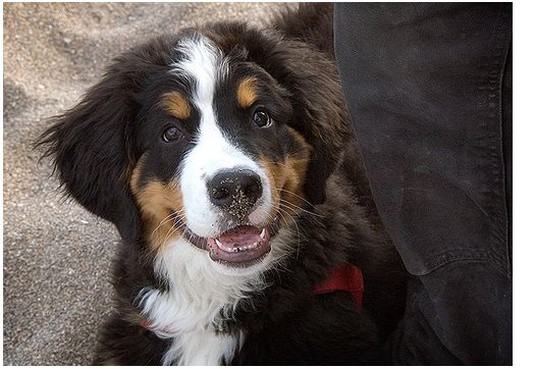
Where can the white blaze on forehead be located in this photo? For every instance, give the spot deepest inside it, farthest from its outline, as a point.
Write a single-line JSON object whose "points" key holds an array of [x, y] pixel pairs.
{"points": [[205, 65]]}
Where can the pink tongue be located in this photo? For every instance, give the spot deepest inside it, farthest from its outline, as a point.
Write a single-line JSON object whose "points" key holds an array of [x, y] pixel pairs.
{"points": [[240, 246], [239, 238]]}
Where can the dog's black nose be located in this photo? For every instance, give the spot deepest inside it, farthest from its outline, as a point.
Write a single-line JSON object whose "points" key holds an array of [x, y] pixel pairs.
{"points": [[235, 191]]}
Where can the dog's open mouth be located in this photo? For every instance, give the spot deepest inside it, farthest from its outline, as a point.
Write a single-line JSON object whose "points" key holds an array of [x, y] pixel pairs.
{"points": [[241, 246]]}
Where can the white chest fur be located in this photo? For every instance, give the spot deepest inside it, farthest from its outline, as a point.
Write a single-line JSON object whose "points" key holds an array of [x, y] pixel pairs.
{"points": [[201, 347], [199, 291]]}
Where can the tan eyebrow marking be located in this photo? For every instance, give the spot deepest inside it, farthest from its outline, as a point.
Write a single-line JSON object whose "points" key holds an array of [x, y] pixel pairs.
{"points": [[176, 104], [247, 92]]}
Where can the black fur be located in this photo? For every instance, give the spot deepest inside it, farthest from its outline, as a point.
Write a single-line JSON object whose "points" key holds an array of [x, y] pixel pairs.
{"points": [[96, 146]]}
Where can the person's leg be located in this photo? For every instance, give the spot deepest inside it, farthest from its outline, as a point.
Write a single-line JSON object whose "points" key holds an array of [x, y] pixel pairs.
{"points": [[429, 90]]}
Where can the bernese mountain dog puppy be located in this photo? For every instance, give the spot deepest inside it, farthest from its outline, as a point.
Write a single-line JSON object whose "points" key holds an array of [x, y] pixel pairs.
{"points": [[225, 158]]}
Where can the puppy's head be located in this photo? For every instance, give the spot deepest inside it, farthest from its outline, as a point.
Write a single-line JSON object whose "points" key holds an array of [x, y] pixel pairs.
{"points": [[216, 139]]}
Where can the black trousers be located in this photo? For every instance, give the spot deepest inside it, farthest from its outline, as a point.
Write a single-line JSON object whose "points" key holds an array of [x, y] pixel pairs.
{"points": [[429, 90]]}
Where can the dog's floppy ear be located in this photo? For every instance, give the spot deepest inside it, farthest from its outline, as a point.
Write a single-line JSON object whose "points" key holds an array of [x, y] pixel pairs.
{"points": [[320, 113], [89, 146]]}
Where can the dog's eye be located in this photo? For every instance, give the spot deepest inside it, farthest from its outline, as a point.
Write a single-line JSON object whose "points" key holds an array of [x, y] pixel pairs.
{"points": [[172, 134], [262, 119]]}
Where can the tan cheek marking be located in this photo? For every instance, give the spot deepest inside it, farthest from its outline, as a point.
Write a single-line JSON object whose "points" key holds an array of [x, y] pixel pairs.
{"points": [[288, 178], [176, 105], [247, 93], [297, 165], [272, 170], [136, 173], [157, 201]]}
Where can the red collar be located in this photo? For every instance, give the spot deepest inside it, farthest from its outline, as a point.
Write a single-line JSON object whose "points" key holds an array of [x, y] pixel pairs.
{"points": [[347, 278]]}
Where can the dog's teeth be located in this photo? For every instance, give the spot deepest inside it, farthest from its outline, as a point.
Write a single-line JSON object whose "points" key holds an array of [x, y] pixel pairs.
{"points": [[263, 233], [219, 243]]}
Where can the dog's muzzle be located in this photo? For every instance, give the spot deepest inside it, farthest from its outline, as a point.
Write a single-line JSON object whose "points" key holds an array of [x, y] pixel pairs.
{"points": [[236, 193]]}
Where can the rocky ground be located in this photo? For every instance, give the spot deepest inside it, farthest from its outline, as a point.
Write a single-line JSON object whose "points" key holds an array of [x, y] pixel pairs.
{"points": [[56, 255]]}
